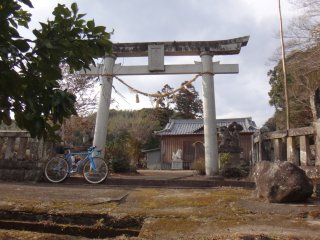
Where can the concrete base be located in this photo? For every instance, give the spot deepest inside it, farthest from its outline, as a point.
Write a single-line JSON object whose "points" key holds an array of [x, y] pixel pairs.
{"points": [[177, 165], [216, 178]]}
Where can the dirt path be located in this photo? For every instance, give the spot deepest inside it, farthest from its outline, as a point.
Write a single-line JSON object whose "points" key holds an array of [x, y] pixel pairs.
{"points": [[215, 213]]}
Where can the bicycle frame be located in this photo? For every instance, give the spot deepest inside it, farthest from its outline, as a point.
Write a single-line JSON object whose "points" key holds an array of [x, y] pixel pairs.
{"points": [[88, 155]]}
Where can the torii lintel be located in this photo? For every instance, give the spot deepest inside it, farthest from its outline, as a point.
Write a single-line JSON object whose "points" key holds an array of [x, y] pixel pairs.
{"points": [[182, 48]]}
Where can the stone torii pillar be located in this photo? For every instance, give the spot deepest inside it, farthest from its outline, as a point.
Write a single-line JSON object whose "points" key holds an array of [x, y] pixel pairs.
{"points": [[100, 131], [209, 118], [156, 51]]}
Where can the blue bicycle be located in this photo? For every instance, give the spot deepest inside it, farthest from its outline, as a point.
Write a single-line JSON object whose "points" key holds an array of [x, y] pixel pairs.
{"points": [[93, 168]]}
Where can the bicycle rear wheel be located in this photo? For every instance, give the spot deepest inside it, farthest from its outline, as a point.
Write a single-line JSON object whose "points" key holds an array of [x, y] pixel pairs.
{"points": [[56, 169], [95, 172]]}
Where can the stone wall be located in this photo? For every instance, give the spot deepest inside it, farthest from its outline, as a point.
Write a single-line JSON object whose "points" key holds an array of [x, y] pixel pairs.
{"points": [[22, 158]]}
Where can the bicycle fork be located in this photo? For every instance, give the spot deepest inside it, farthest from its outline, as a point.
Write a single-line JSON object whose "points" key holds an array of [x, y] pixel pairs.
{"points": [[92, 164]]}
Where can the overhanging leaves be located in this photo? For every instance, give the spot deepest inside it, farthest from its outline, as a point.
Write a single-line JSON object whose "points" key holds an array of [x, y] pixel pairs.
{"points": [[29, 76]]}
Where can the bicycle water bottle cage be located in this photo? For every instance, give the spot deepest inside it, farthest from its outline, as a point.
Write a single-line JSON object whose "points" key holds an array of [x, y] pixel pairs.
{"points": [[98, 153]]}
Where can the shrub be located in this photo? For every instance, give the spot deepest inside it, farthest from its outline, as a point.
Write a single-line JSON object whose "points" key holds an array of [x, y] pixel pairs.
{"points": [[224, 158], [232, 172], [120, 165], [199, 165]]}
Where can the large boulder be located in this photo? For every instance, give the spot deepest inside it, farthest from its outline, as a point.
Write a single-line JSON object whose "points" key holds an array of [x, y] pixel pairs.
{"points": [[281, 182]]}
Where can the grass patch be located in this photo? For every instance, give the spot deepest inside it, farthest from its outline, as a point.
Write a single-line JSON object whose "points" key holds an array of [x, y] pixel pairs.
{"points": [[57, 206]]}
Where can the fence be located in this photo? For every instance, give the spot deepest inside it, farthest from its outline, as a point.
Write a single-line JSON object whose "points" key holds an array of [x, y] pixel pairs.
{"points": [[299, 145], [22, 158]]}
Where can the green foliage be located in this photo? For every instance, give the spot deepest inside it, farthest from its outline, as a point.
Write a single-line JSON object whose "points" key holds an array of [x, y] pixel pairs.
{"points": [[30, 68], [188, 103], [199, 165], [224, 158], [152, 142], [116, 144], [276, 92], [122, 166], [162, 115], [184, 104]]}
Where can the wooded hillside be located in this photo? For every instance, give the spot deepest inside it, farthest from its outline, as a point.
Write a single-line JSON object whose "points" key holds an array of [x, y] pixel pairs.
{"points": [[303, 70]]}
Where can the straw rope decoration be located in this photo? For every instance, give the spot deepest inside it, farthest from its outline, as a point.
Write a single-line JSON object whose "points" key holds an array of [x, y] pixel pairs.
{"points": [[157, 95]]}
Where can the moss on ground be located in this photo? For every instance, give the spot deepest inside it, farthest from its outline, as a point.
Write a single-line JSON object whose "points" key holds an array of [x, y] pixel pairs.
{"points": [[57, 206], [213, 213], [24, 235]]}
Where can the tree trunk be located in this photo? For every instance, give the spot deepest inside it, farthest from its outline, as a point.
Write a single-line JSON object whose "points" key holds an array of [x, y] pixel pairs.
{"points": [[313, 107]]}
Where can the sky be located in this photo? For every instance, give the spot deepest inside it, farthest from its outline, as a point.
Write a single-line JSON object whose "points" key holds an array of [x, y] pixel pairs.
{"points": [[237, 95]]}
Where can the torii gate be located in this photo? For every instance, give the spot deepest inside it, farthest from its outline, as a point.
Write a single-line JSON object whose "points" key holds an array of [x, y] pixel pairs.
{"points": [[155, 51]]}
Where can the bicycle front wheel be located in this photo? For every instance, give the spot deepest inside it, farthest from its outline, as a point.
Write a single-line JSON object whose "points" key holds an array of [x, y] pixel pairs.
{"points": [[56, 169], [96, 171]]}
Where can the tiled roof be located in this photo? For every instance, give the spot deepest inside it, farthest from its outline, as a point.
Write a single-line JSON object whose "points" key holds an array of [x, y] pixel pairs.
{"points": [[195, 126]]}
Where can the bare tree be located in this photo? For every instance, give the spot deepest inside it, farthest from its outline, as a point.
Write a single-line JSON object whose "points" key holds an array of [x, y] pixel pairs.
{"points": [[83, 88], [304, 31], [304, 68], [78, 130], [303, 61]]}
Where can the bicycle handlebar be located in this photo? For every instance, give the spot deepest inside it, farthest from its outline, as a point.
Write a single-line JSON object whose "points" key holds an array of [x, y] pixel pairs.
{"points": [[92, 148]]}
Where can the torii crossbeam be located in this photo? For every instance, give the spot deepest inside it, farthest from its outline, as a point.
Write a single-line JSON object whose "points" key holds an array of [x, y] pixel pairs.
{"points": [[156, 51]]}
